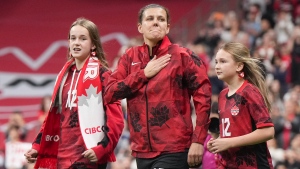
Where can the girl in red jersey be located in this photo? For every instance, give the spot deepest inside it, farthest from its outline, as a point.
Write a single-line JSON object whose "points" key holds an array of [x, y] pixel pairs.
{"points": [[245, 123], [80, 131]]}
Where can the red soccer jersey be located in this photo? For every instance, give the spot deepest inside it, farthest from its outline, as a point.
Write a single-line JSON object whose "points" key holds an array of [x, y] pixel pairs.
{"points": [[71, 144], [240, 114]]}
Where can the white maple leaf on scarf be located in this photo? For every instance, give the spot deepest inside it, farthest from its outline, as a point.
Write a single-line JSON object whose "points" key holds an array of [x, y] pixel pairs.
{"points": [[92, 98], [91, 116]]}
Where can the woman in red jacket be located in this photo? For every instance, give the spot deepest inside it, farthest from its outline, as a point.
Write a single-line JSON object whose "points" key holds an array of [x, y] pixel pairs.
{"points": [[80, 131], [158, 80]]}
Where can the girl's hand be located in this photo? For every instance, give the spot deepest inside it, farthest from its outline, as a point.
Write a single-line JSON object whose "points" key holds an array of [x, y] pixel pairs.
{"points": [[90, 154], [219, 145], [31, 155], [209, 145]]}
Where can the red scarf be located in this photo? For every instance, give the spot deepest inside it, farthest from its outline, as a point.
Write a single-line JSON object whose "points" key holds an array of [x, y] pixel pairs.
{"points": [[90, 113]]}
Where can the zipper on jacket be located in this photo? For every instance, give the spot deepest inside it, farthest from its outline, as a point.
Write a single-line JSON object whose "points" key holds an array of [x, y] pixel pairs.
{"points": [[147, 118]]}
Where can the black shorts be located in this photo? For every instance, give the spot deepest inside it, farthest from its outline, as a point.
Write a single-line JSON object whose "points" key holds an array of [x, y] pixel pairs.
{"points": [[102, 166], [164, 161]]}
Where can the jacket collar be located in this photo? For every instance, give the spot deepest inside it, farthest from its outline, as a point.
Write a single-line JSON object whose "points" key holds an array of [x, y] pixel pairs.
{"points": [[164, 43]]}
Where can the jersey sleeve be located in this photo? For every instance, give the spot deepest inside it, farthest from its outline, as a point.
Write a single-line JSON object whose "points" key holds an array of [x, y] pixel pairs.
{"points": [[258, 109]]}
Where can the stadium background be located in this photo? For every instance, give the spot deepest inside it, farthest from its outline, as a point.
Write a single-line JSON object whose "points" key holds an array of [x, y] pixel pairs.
{"points": [[34, 39], [33, 47]]}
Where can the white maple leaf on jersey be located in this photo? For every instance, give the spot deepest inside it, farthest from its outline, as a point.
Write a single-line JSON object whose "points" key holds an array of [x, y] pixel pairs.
{"points": [[91, 116]]}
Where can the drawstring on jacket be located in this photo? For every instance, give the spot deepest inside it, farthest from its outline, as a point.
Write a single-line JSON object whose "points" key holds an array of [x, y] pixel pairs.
{"points": [[71, 99]]}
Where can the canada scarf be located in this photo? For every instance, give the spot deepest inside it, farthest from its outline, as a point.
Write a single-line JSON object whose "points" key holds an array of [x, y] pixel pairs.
{"points": [[90, 113]]}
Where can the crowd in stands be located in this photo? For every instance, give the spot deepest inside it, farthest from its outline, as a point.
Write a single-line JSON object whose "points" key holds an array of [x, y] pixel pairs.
{"points": [[271, 30]]}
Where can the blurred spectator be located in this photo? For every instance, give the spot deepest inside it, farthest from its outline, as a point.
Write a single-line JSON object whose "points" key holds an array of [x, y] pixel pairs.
{"points": [[45, 105], [291, 160], [277, 154], [280, 165], [295, 54], [16, 121], [246, 4], [275, 112], [288, 125], [256, 55], [287, 5], [297, 15], [276, 99], [293, 157], [15, 149], [251, 25], [294, 95], [233, 32], [210, 35], [267, 24], [279, 72], [266, 50], [284, 25], [34, 126]]}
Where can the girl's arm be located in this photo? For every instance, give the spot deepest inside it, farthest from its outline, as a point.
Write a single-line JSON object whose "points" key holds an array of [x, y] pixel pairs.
{"points": [[113, 127], [257, 136]]}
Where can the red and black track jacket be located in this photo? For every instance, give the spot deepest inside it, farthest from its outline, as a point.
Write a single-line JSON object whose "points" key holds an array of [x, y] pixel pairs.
{"points": [[159, 111]]}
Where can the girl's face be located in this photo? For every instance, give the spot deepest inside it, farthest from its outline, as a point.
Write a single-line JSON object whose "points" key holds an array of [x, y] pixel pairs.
{"points": [[226, 68], [80, 43], [154, 25]]}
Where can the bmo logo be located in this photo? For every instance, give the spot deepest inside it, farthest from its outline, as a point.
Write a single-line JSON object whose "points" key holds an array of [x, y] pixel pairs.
{"points": [[93, 130], [52, 138]]}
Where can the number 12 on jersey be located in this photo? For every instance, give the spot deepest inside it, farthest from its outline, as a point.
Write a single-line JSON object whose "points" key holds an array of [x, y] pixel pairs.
{"points": [[225, 127]]}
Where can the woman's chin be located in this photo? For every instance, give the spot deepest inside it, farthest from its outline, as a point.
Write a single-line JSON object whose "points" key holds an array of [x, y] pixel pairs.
{"points": [[157, 36]]}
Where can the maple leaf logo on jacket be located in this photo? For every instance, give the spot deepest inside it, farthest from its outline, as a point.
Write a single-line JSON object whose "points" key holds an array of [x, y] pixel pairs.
{"points": [[135, 118], [160, 116], [196, 59], [192, 84], [178, 80], [123, 91]]}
